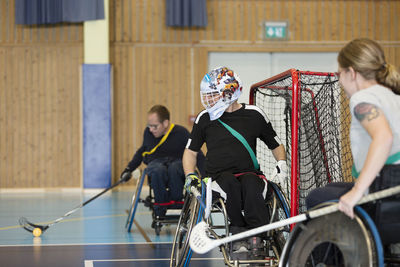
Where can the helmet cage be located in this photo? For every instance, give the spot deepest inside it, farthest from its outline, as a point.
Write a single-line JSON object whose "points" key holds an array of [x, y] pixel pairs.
{"points": [[219, 89]]}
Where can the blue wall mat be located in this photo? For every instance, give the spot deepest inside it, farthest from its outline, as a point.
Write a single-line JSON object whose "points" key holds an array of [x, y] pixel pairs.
{"points": [[96, 125]]}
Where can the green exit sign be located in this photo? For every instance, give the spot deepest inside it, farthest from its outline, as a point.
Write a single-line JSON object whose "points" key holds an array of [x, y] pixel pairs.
{"points": [[276, 29]]}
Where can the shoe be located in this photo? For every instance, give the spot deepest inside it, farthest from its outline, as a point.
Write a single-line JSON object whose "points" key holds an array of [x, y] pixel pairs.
{"points": [[240, 246], [256, 242], [256, 247], [239, 250]]}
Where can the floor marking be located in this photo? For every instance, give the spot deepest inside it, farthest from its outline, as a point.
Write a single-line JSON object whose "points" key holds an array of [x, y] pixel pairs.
{"points": [[90, 244], [146, 237], [89, 263]]}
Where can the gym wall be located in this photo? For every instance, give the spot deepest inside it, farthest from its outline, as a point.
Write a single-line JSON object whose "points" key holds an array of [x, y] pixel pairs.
{"points": [[40, 84]]}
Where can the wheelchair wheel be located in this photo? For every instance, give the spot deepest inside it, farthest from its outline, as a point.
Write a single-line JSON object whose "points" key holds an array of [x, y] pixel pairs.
{"points": [[135, 202], [275, 240], [219, 226], [278, 210], [181, 253], [331, 240]]}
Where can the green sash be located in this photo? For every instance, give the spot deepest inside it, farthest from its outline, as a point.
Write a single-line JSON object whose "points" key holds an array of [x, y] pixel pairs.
{"points": [[244, 142]]}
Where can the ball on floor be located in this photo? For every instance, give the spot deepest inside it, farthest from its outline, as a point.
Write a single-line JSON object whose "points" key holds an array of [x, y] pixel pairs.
{"points": [[37, 232]]}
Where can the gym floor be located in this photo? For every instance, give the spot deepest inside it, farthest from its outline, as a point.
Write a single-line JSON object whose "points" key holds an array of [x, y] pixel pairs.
{"points": [[92, 236]]}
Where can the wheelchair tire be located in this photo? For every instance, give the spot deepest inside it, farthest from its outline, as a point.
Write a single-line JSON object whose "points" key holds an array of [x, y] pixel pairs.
{"points": [[330, 240], [278, 210], [181, 252], [135, 202]]}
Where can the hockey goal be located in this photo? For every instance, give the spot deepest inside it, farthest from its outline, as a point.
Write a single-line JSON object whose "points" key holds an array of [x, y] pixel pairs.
{"points": [[310, 114]]}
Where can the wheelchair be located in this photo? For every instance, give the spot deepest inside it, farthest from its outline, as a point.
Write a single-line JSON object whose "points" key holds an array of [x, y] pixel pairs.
{"points": [[217, 219], [171, 217], [337, 240]]}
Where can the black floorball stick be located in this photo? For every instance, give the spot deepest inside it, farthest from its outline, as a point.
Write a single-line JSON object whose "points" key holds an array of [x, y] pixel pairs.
{"points": [[37, 229]]}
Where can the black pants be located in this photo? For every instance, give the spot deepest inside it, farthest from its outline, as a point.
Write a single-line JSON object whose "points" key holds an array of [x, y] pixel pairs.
{"points": [[332, 191], [245, 193], [166, 173], [384, 212]]}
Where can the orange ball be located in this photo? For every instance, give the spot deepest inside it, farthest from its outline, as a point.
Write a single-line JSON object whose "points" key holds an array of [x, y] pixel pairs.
{"points": [[37, 232]]}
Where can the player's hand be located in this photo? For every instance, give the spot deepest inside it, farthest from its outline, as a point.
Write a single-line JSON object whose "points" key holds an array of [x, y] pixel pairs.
{"points": [[280, 175], [192, 179], [126, 175], [348, 201]]}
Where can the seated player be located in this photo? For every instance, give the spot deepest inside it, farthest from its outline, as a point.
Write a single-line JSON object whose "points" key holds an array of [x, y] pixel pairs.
{"points": [[162, 151], [373, 87], [229, 161]]}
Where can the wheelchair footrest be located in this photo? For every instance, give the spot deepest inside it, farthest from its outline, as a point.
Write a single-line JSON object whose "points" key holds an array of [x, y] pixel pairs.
{"points": [[173, 212]]}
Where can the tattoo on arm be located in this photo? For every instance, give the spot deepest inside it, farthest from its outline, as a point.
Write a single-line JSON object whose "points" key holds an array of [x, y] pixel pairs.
{"points": [[366, 111]]}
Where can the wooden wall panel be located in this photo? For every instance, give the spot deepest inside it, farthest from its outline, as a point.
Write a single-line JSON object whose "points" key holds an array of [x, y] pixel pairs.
{"points": [[163, 75], [123, 104], [152, 63], [3, 115], [169, 62], [40, 137], [323, 21], [40, 140]]}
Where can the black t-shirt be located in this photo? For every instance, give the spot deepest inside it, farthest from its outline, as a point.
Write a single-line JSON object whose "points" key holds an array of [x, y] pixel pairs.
{"points": [[224, 151]]}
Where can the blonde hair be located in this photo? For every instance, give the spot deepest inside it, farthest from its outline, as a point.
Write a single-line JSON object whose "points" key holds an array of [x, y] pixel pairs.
{"points": [[366, 57]]}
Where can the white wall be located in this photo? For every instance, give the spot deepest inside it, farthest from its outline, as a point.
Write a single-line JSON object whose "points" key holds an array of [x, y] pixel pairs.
{"points": [[255, 67]]}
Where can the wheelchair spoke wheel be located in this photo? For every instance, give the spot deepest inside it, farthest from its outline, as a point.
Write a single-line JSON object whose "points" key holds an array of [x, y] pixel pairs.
{"points": [[331, 240], [180, 248], [278, 210], [135, 202]]}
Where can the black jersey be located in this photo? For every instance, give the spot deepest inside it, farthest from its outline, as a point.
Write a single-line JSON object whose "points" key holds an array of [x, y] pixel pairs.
{"points": [[224, 151], [172, 148]]}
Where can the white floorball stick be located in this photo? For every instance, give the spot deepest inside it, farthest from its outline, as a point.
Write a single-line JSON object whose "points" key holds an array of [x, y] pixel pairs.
{"points": [[201, 243]]}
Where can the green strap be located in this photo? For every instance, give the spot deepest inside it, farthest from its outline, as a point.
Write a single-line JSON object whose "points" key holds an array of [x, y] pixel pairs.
{"points": [[390, 160], [244, 142]]}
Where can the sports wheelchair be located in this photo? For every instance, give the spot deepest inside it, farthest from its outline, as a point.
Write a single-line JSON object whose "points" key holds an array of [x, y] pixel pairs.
{"points": [[171, 217], [337, 240], [216, 216]]}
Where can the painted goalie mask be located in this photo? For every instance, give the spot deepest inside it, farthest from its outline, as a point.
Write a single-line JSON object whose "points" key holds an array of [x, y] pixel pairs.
{"points": [[218, 90]]}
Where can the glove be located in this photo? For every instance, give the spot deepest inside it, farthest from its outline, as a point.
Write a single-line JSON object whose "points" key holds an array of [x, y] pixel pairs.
{"points": [[192, 179], [126, 175], [279, 175]]}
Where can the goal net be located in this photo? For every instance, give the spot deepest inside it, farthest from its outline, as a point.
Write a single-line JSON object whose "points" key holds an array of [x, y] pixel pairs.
{"points": [[309, 112]]}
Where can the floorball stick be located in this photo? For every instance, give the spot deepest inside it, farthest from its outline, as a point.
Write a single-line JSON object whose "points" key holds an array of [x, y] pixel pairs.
{"points": [[200, 242], [38, 229]]}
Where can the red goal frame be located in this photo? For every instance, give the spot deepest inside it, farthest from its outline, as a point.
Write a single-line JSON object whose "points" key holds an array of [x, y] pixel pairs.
{"points": [[297, 87]]}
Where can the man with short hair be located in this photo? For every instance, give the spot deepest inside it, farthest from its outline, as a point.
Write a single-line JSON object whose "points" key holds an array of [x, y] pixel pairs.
{"points": [[162, 151]]}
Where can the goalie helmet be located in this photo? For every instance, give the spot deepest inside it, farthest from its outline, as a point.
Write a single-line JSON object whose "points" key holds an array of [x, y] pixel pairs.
{"points": [[218, 90]]}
